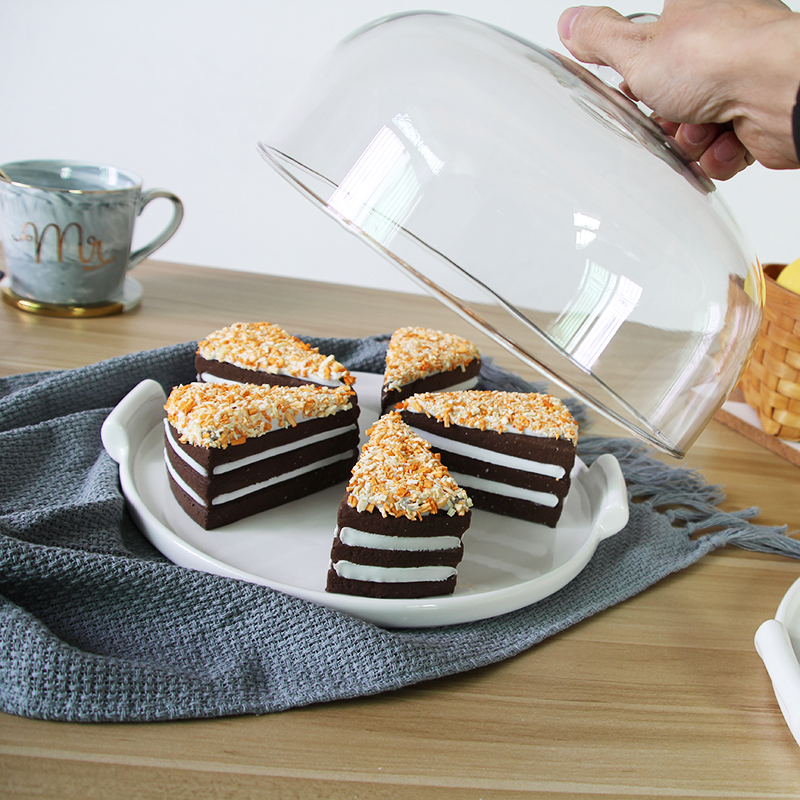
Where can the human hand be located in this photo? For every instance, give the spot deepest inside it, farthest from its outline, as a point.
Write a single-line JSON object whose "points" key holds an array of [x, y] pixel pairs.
{"points": [[721, 76]]}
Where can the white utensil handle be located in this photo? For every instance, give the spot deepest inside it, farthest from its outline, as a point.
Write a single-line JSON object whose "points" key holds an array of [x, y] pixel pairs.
{"points": [[775, 648]]}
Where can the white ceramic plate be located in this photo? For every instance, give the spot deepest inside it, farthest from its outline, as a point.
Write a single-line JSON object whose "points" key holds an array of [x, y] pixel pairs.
{"points": [[507, 563], [778, 643]]}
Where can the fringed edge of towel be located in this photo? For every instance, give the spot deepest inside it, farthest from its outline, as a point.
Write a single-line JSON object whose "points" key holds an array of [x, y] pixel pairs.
{"points": [[691, 502]]}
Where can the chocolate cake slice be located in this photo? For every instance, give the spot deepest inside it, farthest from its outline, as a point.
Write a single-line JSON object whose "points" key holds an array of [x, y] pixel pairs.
{"points": [[425, 360], [233, 450], [263, 353], [512, 451], [400, 524]]}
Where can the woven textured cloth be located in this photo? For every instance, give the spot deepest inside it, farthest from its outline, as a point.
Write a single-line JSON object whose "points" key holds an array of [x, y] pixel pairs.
{"points": [[96, 625]]}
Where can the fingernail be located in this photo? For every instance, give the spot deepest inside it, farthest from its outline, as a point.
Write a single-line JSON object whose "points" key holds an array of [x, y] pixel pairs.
{"points": [[566, 21], [725, 150], [695, 134]]}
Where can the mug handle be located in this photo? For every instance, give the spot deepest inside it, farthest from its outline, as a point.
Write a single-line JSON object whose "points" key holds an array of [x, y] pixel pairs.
{"points": [[166, 234]]}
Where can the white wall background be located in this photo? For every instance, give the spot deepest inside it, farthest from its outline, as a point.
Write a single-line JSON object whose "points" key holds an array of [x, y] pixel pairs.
{"points": [[180, 91]]}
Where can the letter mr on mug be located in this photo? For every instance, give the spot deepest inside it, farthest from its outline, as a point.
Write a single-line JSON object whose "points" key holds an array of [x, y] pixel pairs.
{"points": [[67, 228]]}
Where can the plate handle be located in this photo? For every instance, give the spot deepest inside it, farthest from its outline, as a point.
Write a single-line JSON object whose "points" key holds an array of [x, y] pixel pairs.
{"points": [[775, 648], [142, 406], [608, 495]]}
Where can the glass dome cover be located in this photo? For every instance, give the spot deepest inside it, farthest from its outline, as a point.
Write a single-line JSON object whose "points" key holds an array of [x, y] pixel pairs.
{"points": [[539, 204]]}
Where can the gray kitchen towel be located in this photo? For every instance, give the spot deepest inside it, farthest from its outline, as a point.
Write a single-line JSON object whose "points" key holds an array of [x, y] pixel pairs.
{"points": [[96, 625]]}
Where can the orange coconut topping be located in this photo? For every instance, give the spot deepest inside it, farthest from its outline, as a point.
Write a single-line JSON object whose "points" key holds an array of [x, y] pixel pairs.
{"points": [[221, 414], [398, 475], [268, 348], [415, 353], [516, 412]]}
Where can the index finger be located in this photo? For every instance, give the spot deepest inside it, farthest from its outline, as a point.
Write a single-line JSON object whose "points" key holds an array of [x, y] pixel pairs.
{"points": [[600, 35]]}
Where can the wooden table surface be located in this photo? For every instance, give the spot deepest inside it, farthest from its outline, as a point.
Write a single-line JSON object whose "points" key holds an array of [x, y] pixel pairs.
{"points": [[661, 696]]}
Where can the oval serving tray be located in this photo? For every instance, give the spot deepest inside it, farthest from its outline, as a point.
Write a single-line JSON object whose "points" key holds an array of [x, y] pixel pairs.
{"points": [[507, 563]]}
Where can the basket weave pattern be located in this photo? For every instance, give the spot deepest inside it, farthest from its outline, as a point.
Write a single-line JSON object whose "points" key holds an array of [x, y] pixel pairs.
{"points": [[771, 383]]}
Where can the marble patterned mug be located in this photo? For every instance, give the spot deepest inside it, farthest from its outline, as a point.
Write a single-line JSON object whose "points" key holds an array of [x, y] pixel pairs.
{"points": [[67, 228]]}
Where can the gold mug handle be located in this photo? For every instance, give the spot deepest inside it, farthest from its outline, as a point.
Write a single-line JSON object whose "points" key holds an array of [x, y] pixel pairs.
{"points": [[166, 234]]}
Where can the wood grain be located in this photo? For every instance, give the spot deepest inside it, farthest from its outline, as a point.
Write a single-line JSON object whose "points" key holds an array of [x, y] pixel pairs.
{"points": [[661, 696]]}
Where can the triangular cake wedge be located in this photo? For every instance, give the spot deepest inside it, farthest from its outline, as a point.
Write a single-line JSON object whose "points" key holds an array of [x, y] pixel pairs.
{"points": [[426, 360], [233, 450], [263, 353], [400, 524], [512, 451]]}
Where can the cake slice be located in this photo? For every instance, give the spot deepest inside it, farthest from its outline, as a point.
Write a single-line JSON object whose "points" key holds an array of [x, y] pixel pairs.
{"points": [[233, 450], [400, 524], [425, 360], [512, 451], [263, 353]]}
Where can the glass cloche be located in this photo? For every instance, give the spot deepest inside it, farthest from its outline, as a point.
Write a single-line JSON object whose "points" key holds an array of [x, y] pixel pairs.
{"points": [[539, 204]]}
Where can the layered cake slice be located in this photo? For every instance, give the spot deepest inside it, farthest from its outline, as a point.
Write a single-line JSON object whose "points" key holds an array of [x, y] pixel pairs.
{"points": [[233, 450], [400, 524], [263, 353], [512, 451], [425, 360]]}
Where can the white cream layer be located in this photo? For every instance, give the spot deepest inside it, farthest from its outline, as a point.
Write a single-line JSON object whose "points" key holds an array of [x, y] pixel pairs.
{"points": [[359, 572], [491, 456], [470, 383], [379, 541], [221, 469], [504, 490], [254, 487], [207, 377]]}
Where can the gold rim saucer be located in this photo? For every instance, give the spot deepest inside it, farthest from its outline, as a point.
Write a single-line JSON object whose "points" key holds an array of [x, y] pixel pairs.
{"points": [[56, 310]]}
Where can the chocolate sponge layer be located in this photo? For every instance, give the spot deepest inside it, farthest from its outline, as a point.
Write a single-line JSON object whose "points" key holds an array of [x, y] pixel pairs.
{"points": [[514, 507], [430, 525], [230, 372], [276, 495], [534, 448], [390, 590], [372, 557], [431, 383], [559, 452], [464, 465], [210, 486]]}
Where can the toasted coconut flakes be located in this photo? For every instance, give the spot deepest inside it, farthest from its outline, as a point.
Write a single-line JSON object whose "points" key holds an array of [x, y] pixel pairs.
{"points": [[519, 412], [221, 414], [398, 475], [415, 353], [268, 348]]}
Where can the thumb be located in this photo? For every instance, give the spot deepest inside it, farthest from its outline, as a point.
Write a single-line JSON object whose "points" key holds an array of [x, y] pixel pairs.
{"points": [[598, 35]]}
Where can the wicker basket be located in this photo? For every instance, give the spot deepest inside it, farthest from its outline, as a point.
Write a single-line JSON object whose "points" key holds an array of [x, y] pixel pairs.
{"points": [[771, 383]]}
